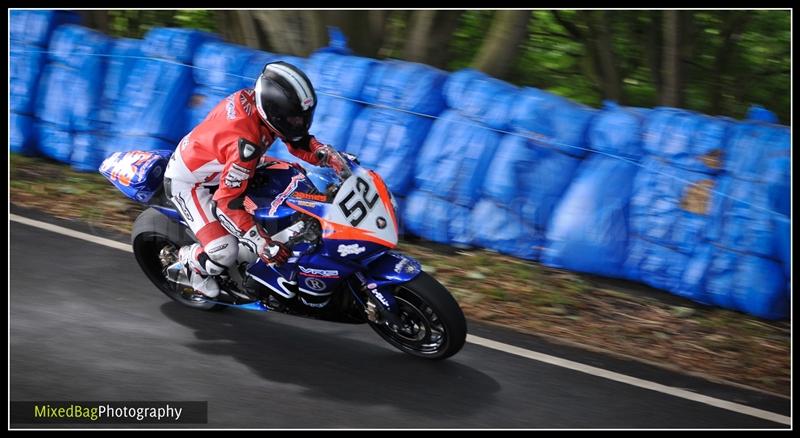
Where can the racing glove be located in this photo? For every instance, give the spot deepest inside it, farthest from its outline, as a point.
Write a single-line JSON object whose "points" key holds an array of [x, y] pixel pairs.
{"points": [[268, 250]]}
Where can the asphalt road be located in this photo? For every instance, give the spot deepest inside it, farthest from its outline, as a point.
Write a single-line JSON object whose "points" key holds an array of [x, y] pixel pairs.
{"points": [[86, 324]]}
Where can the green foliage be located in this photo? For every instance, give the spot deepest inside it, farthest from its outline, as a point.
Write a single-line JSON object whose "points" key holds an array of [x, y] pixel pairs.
{"points": [[136, 23]]}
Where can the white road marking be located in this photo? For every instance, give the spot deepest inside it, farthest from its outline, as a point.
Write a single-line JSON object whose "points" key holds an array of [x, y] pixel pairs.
{"points": [[71, 233], [499, 346], [633, 381]]}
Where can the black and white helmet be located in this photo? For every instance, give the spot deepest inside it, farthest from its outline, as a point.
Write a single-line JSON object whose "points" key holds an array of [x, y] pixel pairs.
{"points": [[285, 100]]}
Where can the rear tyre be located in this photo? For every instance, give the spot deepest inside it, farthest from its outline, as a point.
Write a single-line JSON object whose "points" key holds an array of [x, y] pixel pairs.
{"points": [[152, 232]]}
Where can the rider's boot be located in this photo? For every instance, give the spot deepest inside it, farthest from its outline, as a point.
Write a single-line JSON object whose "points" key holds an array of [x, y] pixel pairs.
{"points": [[202, 282]]}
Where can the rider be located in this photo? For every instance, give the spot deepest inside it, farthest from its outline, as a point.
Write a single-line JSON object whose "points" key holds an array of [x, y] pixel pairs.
{"points": [[224, 149]]}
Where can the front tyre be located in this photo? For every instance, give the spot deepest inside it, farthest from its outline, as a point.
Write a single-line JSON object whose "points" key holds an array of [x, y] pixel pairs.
{"points": [[433, 325], [153, 233]]}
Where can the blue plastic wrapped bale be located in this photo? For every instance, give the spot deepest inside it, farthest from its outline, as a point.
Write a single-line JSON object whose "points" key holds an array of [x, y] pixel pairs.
{"points": [[588, 230], [156, 104], [26, 68], [338, 75], [21, 134], [666, 268], [759, 113], [78, 47], [175, 44], [124, 53], [503, 229], [220, 66], [138, 174], [406, 86], [435, 219], [125, 143], [523, 173], [455, 157], [54, 142], [389, 142], [201, 103], [34, 28], [617, 130], [481, 97], [280, 151], [673, 206], [70, 94], [746, 221], [254, 66], [552, 121], [88, 151], [759, 152], [333, 119], [686, 139], [748, 283]]}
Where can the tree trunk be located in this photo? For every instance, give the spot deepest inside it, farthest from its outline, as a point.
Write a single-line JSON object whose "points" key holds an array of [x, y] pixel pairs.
{"points": [[95, 19], [497, 53], [671, 71], [428, 35], [732, 28], [605, 60], [653, 50]]}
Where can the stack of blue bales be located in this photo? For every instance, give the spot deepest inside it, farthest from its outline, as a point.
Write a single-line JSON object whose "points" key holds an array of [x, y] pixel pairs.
{"points": [[749, 267], [219, 71], [588, 231], [529, 173], [29, 38], [338, 81], [123, 55], [673, 209], [155, 113], [455, 157], [388, 135], [70, 96]]}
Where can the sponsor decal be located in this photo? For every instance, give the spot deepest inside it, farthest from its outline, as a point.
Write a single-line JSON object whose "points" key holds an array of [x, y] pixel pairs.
{"points": [[404, 265], [246, 100], [320, 273], [292, 186], [315, 284], [304, 195], [184, 209], [229, 225], [305, 203], [380, 297], [184, 142], [230, 108], [235, 177], [372, 286], [307, 103], [380, 222], [249, 205], [346, 250], [217, 249]]}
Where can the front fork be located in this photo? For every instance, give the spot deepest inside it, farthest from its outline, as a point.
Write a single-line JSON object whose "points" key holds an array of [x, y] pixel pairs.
{"points": [[377, 285]]}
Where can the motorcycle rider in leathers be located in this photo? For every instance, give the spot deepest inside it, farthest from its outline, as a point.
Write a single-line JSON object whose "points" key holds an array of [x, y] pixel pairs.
{"points": [[224, 150]]}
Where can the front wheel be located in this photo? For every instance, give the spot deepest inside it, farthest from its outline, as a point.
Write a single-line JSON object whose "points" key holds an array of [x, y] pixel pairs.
{"points": [[432, 324]]}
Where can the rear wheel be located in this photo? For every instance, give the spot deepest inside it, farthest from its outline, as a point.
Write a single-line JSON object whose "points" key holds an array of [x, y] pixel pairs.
{"points": [[156, 241], [432, 324]]}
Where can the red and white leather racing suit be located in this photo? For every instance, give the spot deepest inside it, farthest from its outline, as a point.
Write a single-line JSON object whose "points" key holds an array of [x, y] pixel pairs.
{"points": [[223, 150]]}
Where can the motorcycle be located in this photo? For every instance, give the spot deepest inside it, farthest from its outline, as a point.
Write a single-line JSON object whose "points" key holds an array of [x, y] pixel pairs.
{"points": [[341, 228]]}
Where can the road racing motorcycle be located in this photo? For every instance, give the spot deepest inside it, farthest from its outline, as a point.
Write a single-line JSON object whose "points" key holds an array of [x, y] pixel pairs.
{"points": [[341, 228]]}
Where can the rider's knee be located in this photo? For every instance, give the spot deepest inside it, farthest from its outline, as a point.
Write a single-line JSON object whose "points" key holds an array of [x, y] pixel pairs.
{"points": [[220, 254]]}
